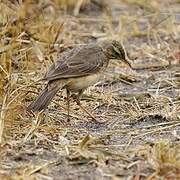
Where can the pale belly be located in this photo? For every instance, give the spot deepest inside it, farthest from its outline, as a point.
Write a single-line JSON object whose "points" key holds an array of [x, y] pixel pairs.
{"points": [[77, 84]]}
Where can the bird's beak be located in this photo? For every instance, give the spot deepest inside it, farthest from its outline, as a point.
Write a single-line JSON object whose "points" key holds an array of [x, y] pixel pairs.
{"points": [[127, 62]]}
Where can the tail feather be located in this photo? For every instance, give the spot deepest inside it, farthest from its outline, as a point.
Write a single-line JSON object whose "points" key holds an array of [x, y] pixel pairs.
{"points": [[43, 99]]}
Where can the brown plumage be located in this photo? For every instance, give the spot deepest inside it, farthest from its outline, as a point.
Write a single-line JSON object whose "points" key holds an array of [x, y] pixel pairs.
{"points": [[78, 69]]}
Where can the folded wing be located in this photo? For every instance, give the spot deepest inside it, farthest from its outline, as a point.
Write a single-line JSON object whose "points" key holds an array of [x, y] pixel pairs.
{"points": [[81, 61]]}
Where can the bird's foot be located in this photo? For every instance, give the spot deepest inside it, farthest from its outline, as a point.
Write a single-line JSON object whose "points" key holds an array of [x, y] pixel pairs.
{"points": [[87, 112], [77, 100]]}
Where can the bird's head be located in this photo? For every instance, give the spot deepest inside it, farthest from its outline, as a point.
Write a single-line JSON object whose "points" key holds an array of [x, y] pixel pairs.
{"points": [[114, 50]]}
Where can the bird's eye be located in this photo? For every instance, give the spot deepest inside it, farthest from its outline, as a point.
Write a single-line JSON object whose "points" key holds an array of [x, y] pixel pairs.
{"points": [[116, 53]]}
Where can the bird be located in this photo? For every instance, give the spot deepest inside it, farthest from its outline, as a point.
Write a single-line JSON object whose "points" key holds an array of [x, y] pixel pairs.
{"points": [[76, 70]]}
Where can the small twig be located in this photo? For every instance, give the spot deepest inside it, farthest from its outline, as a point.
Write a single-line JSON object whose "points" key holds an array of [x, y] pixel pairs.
{"points": [[2, 116], [35, 125], [156, 130]]}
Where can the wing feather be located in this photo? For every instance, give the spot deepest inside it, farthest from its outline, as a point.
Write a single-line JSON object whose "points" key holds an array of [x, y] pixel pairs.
{"points": [[81, 61]]}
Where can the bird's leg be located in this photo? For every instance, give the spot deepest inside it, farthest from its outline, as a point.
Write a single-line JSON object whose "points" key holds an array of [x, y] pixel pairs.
{"points": [[68, 104], [77, 99]]}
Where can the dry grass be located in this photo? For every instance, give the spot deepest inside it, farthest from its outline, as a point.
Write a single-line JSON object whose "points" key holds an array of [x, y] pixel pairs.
{"points": [[139, 108]]}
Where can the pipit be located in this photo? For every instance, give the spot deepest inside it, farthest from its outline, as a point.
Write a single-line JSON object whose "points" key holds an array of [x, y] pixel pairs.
{"points": [[76, 70]]}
